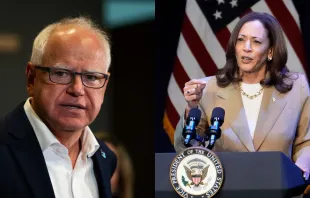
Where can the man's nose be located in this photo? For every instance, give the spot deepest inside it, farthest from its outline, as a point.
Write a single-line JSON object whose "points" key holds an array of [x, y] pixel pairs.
{"points": [[76, 87]]}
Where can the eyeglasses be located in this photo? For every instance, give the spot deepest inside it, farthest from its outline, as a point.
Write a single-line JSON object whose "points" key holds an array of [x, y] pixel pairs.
{"points": [[94, 80]]}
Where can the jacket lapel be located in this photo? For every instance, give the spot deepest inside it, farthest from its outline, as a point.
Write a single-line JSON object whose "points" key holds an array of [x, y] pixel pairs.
{"points": [[27, 151], [231, 101], [100, 168], [272, 105]]}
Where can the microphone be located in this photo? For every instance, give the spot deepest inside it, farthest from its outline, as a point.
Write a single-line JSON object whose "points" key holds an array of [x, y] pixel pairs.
{"points": [[189, 131], [214, 131]]}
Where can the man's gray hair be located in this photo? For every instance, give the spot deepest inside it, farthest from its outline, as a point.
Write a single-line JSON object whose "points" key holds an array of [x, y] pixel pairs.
{"points": [[42, 38]]}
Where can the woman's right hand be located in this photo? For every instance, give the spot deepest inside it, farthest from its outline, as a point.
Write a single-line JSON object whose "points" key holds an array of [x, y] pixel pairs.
{"points": [[193, 92]]}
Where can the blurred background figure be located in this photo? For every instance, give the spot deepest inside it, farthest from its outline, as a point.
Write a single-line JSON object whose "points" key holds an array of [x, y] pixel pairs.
{"points": [[123, 179], [131, 28]]}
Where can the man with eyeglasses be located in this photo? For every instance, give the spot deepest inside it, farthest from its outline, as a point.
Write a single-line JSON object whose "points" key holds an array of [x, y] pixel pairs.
{"points": [[47, 149]]}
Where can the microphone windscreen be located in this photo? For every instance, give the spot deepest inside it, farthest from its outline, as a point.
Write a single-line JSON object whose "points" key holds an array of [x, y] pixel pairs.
{"points": [[219, 113], [194, 112]]}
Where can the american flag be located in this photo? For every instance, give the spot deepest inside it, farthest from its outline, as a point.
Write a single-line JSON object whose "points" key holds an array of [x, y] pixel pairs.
{"points": [[206, 29]]}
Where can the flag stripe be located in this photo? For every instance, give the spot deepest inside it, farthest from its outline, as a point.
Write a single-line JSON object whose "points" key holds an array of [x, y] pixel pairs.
{"points": [[204, 31], [182, 77], [188, 61], [198, 49], [247, 11], [233, 24], [289, 26], [176, 96], [168, 127], [223, 37], [290, 6], [172, 114]]}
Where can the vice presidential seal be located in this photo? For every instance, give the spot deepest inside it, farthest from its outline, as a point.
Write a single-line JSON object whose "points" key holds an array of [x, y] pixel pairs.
{"points": [[196, 172]]}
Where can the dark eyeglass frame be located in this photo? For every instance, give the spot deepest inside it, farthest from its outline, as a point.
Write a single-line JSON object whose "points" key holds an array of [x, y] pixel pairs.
{"points": [[73, 74]]}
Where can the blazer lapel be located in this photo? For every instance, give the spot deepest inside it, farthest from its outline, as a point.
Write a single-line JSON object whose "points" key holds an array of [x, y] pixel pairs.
{"points": [[272, 105], [27, 151], [103, 180], [231, 101]]}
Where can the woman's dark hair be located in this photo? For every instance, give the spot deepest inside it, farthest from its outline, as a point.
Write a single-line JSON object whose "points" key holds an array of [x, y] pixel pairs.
{"points": [[278, 73]]}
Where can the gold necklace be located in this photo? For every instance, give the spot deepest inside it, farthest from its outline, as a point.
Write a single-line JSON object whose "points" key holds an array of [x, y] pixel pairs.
{"points": [[253, 96]]}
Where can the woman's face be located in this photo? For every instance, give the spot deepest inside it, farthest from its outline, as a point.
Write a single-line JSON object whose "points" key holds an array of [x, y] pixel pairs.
{"points": [[252, 47]]}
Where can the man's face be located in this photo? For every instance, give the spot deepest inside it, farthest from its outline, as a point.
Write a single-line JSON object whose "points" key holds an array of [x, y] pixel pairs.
{"points": [[68, 107]]}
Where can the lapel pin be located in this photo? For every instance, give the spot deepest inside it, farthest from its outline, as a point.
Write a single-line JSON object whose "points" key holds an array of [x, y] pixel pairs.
{"points": [[103, 154], [273, 99]]}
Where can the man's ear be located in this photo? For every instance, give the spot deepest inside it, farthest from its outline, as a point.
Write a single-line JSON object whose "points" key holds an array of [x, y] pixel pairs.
{"points": [[106, 83], [30, 75], [105, 86]]}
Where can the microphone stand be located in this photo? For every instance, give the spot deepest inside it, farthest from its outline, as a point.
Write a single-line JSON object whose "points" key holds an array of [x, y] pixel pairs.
{"points": [[213, 133], [199, 139], [211, 143], [211, 137]]}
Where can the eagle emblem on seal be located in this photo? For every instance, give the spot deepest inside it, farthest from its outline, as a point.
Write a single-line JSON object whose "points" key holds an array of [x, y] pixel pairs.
{"points": [[196, 172]]}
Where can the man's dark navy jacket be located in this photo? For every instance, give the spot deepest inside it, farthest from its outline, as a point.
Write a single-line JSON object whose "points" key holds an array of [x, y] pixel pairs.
{"points": [[23, 172]]}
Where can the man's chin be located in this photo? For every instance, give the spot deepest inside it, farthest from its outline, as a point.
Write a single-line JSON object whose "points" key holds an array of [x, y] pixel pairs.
{"points": [[72, 126]]}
